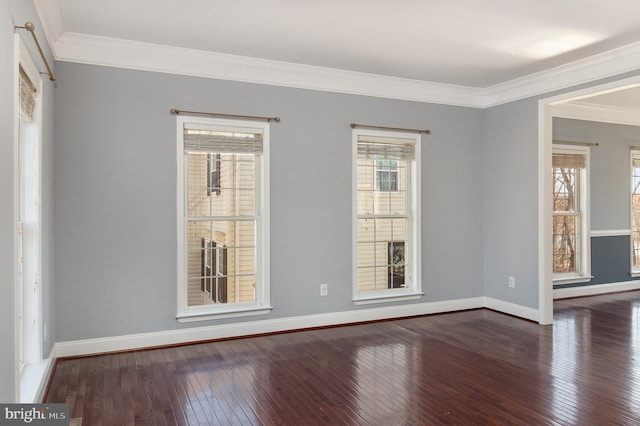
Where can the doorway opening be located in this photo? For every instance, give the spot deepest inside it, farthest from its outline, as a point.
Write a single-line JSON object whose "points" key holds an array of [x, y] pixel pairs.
{"points": [[547, 109]]}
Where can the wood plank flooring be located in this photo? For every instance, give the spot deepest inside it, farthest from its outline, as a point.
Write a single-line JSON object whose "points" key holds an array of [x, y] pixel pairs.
{"points": [[473, 367]]}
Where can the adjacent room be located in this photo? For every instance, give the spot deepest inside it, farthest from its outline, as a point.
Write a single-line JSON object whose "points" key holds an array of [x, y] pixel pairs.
{"points": [[321, 212]]}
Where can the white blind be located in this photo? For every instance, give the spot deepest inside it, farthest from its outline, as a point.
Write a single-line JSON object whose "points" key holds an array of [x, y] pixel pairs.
{"points": [[572, 161], [385, 148], [204, 140], [28, 94], [635, 161]]}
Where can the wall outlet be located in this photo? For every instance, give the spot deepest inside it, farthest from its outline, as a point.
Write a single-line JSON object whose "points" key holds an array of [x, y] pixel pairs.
{"points": [[512, 282], [324, 289]]}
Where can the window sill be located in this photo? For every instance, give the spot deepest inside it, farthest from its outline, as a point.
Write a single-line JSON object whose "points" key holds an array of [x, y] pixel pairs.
{"points": [[244, 311], [383, 298], [572, 279], [635, 274]]}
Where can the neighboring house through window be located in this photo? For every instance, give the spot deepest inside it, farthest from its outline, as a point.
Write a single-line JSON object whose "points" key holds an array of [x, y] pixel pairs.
{"points": [[387, 175], [223, 223], [213, 174], [386, 217], [571, 243]]}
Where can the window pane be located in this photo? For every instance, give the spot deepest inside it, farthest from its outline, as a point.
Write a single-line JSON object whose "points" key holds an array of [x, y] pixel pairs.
{"points": [[635, 216], [366, 254], [223, 187], [366, 230], [381, 244], [397, 265], [564, 189], [372, 279], [233, 278], [565, 248]]}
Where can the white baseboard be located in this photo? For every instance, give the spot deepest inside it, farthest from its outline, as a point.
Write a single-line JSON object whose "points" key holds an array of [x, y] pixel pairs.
{"points": [[195, 334], [512, 309], [592, 290], [34, 380]]}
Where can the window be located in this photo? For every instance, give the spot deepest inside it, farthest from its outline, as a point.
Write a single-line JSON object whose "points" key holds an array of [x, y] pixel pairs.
{"points": [[223, 227], [213, 174], [28, 213], [386, 216], [571, 254], [395, 275], [635, 212], [214, 272], [386, 175]]}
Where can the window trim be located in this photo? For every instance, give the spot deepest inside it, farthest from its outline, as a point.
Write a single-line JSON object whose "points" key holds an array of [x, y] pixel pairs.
{"points": [[413, 290], [262, 305], [29, 349], [585, 224]]}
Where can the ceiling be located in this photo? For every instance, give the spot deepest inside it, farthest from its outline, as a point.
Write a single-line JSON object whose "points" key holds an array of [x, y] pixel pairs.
{"points": [[467, 43]]}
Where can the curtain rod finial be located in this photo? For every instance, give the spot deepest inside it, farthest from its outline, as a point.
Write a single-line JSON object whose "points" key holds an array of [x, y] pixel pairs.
{"points": [[29, 26]]}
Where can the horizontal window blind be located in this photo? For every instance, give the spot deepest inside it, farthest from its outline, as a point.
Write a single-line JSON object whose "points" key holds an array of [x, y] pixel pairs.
{"points": [[203, 140], [370, 147], [572, 161], [28, 93], [635, 161]]}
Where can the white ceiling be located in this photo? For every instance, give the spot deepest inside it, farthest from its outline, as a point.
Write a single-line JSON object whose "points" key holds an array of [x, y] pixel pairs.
{"points": [[458, 52], [461, 42]]}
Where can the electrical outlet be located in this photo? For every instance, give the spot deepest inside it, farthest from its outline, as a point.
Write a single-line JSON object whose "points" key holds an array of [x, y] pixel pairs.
{"points": [[324, 289], [512, 282]]}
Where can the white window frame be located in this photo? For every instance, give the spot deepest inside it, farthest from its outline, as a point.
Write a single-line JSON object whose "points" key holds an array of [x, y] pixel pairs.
{"points": [[262, 305], [28, 278], [413, 275], [584, 275], [635, 271]]}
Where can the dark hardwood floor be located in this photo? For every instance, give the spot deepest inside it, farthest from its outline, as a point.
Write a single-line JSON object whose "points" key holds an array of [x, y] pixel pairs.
{"points": [[474, 367]]}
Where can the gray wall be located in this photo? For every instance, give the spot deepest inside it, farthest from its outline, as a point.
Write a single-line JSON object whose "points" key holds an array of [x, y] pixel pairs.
{"points": [[16, 12], [609, 192], [610, 174], [510, 202], [115, 196], [510, 197]]}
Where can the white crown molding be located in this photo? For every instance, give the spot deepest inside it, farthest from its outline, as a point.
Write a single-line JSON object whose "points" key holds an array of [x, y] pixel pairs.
{"points": [[603, 65], [82, 48], [594, 112], [51, 20]]}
